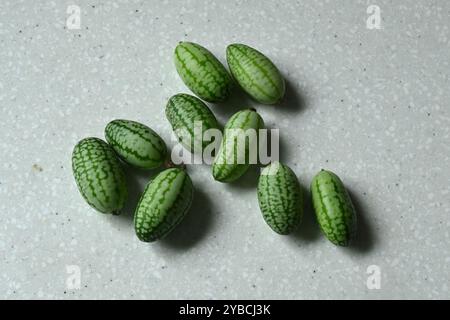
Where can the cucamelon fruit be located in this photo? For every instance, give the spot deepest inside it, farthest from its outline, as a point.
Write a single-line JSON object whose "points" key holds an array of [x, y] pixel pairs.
{"points": [[333, 206], [163, 204], [202, 72], [280, 198], [99, 175], [255, 73], [239, 145], [136, 143], [184, 112]]}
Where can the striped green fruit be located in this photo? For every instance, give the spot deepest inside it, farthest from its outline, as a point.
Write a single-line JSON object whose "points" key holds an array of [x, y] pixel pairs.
{"points": [[99, 175], [184, 112], [136, 143], [236, 152], [333, 206], [255, 73], [280, 198], [202, 72], [163, 204]]}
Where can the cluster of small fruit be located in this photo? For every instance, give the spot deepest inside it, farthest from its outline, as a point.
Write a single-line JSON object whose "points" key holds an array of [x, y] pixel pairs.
{"points": [[168, 196]]}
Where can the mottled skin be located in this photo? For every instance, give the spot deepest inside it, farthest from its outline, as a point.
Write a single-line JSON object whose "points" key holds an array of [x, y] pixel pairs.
{"points": [[280, 198], [202, 72], [136, 144], [227, 166], [163, 205], [255, 73], [99, 175], [183, 111], [334, 209]]}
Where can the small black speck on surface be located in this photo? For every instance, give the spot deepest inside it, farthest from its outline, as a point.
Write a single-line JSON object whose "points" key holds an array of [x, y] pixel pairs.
{"points": [[20, 31], [314, 271], [136, 10], [335, 35], [262, 269], [254, 286], [428, 113], [93, 6]]}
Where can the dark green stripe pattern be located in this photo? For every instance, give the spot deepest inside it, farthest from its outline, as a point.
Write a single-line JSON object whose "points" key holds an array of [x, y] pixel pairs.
{"points": [[163, 205], [202, 72], [185, 111], [333, 207], [233, 157], [99, 175], [280, 198], [255, 73], [136, 144]]}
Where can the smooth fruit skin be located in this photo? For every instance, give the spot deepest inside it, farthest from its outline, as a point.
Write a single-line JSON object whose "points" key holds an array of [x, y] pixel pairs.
{"points": [[280, 198], [99, 175], [183, 111], [202, 72], [136, 144], [226, 167], [163, 204], [333, 206], [255, 73]]}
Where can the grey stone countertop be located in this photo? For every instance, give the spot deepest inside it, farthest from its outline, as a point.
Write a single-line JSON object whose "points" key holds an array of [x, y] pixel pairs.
{"points": [[366, 99]]}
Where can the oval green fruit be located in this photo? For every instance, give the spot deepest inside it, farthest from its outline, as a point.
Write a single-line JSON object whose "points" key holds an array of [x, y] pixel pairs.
{"points": [[99, 175], [333, 206], [280, 198], [136, 143], [163, 204], [202, 72], [239, 146], [255, 73], [190, 117]]}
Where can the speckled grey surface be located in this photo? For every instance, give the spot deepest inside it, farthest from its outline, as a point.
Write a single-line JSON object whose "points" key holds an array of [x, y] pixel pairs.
{"points": [[371, 105]]}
